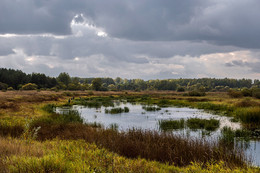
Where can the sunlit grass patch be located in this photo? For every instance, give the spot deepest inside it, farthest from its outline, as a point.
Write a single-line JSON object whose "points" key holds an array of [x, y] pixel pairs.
{"points": [[78, 156]]}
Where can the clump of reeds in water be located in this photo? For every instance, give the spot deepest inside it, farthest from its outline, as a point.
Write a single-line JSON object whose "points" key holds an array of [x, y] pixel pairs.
{"points": [[151, 145], [171, 124], [117, 110], [151, 108], [197, 123], [192, 123], [135, 143], [228, 136]]}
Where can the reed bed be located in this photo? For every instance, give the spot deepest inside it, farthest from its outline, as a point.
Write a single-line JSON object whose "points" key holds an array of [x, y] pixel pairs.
{"points": [[249, 115], [117, 110], [197, 123], [167, 125], [78, 156], [151, 145]]}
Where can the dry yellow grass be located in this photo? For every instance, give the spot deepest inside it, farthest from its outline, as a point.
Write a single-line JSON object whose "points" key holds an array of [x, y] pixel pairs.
{"points": [[10, 147]]}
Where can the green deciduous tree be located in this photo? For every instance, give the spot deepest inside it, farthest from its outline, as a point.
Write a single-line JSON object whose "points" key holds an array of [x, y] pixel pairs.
{"points": [[97, 84], [64, 78]]}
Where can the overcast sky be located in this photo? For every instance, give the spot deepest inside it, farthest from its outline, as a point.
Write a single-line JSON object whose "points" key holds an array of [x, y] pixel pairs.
{"points": [[148, 39]]}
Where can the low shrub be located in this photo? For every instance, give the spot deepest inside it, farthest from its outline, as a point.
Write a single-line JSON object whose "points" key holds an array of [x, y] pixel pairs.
{"points": [[256, 93], [29, 86], [180, 89], [235, 94], [246, 103], [246, 92], [10, 89], [3, 86]]}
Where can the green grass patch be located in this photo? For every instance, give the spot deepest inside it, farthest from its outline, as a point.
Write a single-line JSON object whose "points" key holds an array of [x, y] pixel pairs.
{"points": [[192, 123], [181, 103], [249, 115], [117, 110], [78, 156], [218, 108], [49, 108], [197, 123], [228, 135], [94, 102], [70, 116], [164, 103], [166, 125], [151, 108]]}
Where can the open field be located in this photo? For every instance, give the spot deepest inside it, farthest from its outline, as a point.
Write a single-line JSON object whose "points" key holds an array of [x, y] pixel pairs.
{"points": [[63, 143]]}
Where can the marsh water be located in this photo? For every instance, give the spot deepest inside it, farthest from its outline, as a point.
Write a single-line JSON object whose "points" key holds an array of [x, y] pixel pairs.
{"points": [[138, 118]]}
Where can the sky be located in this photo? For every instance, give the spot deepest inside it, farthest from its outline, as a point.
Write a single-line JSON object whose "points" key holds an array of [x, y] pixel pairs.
{"points": [[147, 39]]}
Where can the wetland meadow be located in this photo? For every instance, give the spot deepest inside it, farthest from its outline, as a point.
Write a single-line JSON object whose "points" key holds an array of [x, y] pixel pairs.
{"points": [[147, 131]]}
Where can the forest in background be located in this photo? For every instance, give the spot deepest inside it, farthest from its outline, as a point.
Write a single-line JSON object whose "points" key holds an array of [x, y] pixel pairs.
{"points": [[11, 79]]}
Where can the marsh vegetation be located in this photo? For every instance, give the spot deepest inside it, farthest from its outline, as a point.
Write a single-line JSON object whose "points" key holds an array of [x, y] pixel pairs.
{"points": [[69, 142]]}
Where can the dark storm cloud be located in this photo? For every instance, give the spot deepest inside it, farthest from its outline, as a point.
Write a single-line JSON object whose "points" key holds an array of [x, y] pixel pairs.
{"points": [[237, 63], [134, 39], [41, 16], [255, 67], [116, 50], [222, 22], [5, 51]]}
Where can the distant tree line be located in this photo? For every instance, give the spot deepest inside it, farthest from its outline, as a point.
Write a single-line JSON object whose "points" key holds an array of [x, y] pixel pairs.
{"points": [[11, 79]]}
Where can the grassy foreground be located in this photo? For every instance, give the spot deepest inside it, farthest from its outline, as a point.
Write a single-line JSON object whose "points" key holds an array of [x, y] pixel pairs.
{"points": [[65, 144], [77, 156]]}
